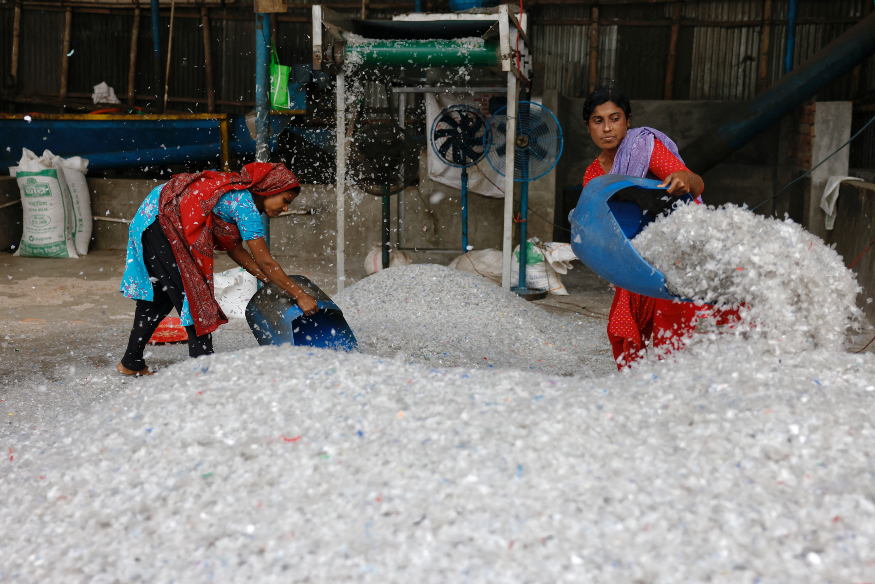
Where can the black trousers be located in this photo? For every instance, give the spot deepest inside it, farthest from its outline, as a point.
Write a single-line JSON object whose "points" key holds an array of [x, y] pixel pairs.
{"points": [[168, 293]]}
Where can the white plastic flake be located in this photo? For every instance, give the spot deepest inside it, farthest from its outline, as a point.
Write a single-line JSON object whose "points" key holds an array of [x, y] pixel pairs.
{"points": [[792, 289], [744, 458]]}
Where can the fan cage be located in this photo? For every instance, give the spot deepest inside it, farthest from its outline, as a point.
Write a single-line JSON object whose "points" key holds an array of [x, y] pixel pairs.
{"points": [[542, 142], [453, 149]]}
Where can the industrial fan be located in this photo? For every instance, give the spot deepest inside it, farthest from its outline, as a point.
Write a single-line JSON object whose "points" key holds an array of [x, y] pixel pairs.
{"points": [[383, 162], [537, 148], [457, 139]]}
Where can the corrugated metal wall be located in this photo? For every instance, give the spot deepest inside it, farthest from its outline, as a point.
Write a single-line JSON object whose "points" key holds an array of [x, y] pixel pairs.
{"points": [[717, 58], [101, 48], [7, 14], [40, 46]]}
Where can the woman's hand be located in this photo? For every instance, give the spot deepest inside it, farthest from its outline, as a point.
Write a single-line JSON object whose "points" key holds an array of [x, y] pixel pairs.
{"points": [[678, 183], [306, 303], [267, 269], [683, 182]]}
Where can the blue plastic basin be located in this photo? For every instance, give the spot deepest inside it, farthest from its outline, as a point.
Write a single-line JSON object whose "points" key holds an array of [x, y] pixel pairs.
{"points": [[611, 211], [275, 319]]}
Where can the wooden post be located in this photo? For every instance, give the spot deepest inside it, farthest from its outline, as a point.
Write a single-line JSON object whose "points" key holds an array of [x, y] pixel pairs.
{"points": [[364, 9], [65, 60], [223, 141], [169, 50], [132, 66], [594, 48], [672, 50], [273, 26], [208, 64], [16, 33], [763, 75]]}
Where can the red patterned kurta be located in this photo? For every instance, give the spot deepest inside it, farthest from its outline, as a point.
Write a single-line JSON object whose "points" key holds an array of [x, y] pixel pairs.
{"points": [[634, 318]]}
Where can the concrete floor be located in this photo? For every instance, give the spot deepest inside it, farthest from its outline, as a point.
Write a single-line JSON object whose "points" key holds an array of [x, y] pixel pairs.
{"points": [[64, 326]]}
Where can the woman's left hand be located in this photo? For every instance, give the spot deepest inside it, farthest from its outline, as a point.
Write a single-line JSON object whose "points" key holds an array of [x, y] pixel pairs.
{"points": [[678, 183]]}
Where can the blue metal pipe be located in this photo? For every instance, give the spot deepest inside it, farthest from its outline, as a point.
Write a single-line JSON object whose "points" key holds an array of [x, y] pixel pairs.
{"points": [[156, 43], [524, 241], [752, 118], [790, 47], [464, 210], [419, 6], [262, 100], [262, 87]]}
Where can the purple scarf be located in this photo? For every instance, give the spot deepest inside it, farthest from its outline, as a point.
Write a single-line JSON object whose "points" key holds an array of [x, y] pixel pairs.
{"points": [[633, 155]]}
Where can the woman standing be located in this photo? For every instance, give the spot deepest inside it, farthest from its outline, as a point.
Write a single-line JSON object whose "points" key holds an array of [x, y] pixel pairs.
{"points": [[638, 152], [170, 261]]}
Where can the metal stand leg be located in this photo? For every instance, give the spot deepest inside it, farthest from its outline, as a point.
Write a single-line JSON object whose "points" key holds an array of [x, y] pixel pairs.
{"points": [[510, 137], [464, 210], [340, 180], [387, 216], [524, 240], [262, 101]]}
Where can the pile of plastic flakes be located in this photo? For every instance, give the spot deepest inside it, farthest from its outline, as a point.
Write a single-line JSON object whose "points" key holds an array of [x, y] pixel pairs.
{"points": [[792, 289], [286, 465], [729, 462], [431, 314]]}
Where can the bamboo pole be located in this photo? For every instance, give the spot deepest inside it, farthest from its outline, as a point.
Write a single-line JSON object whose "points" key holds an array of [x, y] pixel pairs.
{"points": [[224, 141], [594, 48], [169, 49], [65, 59], [16, 34], [208, 60], [763, 74], [672, 50], [132, 66]]}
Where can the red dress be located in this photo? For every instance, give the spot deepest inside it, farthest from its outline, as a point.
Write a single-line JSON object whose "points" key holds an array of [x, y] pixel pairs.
{"points": [[634, 318]]}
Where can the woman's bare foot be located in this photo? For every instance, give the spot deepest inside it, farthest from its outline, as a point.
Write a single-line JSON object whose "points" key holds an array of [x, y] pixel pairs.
{"points": [[125, 371]]}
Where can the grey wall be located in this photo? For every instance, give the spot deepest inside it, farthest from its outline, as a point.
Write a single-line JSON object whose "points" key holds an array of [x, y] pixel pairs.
{"points": [[855, 224], [10, 217], [832, 128], [300, 235], [748, 176]]}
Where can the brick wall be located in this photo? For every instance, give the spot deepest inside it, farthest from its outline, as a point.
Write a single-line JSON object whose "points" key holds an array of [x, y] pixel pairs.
{"points": [[802, 136]]}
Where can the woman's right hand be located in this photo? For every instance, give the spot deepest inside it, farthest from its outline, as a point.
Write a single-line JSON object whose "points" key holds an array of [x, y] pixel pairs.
{"points": [[307, 305]]}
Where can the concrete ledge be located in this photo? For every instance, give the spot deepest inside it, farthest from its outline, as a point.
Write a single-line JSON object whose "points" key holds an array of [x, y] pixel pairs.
{"points": [[854, 230]]}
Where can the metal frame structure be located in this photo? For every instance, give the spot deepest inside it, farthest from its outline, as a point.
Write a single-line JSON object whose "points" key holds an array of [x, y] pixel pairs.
{"points": [[515, 64]]}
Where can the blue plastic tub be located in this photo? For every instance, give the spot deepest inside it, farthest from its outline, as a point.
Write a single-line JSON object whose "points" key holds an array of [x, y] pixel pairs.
{"points": [[460, 5], [275, 319], [611, 211]]}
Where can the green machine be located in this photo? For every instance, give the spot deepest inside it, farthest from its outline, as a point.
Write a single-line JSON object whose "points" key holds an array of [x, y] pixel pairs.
{"points": [[480, 51]]}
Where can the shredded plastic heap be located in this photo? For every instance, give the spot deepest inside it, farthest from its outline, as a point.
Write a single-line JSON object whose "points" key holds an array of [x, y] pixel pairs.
{"points": [[795, 290], [431, 314], [279, 464]]}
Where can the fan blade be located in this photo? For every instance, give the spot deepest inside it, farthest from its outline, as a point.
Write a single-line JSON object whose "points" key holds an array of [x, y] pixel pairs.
{"points": [[540, 130], [476, 125], [449, 120], [458, 155], [444, 133], [442, 151], [471, 154], [501, 150], [538, 151]]}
